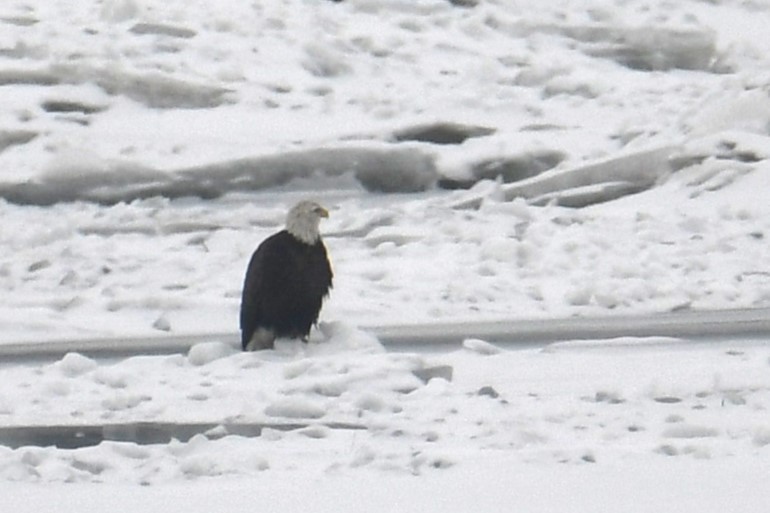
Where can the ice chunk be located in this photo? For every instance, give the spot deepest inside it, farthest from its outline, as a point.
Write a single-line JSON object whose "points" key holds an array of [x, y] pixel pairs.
{"points": [[397, 235], [295, 408], [153, 89], [481, 347], [207, 352], [75, 364], [341, 336]]}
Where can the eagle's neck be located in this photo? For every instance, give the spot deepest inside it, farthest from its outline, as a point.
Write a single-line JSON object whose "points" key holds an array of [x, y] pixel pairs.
{"points": [[303, 229]]}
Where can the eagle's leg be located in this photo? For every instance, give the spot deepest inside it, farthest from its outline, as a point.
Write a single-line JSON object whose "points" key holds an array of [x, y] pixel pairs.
{"points": [[263, 338]]}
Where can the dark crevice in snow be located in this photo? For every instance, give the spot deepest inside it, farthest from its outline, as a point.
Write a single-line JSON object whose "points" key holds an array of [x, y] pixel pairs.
{"points": [[67, 106], [159, 29], [464, 3], [442, 133], [20, 21]]}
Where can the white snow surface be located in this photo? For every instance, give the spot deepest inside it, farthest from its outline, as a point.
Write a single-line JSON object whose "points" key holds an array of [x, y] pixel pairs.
{"points": [[619, 424], [147, 147]]}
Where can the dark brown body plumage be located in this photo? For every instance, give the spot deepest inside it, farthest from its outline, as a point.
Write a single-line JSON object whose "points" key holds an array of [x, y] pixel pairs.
{"points": [[285, 285]]}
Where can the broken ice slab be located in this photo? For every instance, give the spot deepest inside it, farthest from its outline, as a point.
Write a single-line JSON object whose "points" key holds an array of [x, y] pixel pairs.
{"points": [[626, 173], [644, 48], [589, 195]]}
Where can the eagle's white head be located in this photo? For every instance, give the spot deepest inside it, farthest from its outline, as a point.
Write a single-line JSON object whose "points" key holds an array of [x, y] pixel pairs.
{"points": [[303, 219]]}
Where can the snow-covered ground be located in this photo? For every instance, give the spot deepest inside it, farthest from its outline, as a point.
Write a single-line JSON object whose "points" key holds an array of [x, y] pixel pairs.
{"points": [[631, 425], [155, 266], [146, 148], [113, 102]]}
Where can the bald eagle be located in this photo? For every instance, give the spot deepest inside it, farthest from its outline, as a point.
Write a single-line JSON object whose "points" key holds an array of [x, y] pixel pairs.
{"points": [[287, 279]]}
